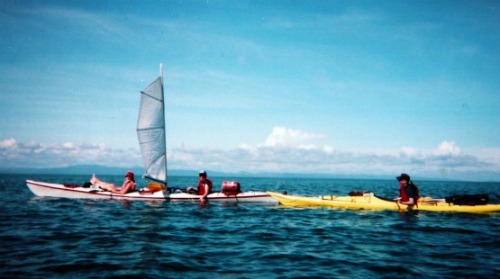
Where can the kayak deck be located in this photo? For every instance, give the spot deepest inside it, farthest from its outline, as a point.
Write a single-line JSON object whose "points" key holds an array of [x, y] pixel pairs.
{"points": [[371, 202]]}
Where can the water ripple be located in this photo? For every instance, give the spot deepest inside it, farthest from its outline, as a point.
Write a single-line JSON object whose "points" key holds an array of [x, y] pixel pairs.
{"points": [[64, 238]]}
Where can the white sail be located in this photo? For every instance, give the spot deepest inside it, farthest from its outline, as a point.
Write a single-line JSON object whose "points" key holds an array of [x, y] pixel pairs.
{"points": [[151, 131]]}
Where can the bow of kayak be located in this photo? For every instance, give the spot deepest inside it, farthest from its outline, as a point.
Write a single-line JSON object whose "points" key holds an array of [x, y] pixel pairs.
{"points": [[371, 202]]}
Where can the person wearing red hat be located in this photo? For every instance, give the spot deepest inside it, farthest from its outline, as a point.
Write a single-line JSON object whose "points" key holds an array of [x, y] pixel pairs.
{"points": [[127, 186]]}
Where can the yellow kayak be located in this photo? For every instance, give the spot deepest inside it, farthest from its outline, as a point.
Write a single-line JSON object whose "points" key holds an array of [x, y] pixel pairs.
{"points": [[371, 202]]}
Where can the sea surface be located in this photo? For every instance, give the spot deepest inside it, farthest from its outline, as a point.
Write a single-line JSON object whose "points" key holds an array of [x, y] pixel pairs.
{"points": [[69, 238]]}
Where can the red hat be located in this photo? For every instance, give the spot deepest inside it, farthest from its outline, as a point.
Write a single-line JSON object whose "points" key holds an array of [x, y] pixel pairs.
{"points": [[130, 174]]}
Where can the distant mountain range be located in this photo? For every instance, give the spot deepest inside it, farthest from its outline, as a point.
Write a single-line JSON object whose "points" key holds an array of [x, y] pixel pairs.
{"points": [[105, 170]]}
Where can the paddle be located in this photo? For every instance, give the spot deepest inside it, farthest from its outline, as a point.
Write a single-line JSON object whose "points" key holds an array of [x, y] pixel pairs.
{"points": [[397, 203]]}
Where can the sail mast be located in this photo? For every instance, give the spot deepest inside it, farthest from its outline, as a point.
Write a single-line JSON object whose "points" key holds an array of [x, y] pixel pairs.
{"points": [[161, 73], [164, 128]]}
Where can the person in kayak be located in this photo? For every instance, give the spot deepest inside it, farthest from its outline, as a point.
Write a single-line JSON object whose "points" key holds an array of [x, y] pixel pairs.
{"points": [[204, 185], [127, 186], [408, 191]]}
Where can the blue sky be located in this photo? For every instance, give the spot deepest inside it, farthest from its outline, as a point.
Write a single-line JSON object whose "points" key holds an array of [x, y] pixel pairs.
{"points": [[330, 87]]}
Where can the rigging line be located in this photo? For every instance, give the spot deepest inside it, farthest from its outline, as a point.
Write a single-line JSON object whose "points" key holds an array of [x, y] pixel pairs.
{"points": [[148, 129], [149, 141], [156, 99]]}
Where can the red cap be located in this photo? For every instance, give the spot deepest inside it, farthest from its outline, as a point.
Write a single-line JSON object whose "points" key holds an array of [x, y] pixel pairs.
{"points": [[129, 174]]}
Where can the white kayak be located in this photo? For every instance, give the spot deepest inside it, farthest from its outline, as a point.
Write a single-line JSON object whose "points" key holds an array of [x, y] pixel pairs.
{"points": [[44, 189]]}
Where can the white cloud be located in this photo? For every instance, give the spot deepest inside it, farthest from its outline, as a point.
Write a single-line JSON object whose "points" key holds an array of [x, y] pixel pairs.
{"points": [[7, 143], [38, 155], [93, 22], [446, 161], [68, 145], [447, 148], [327, 149], [408, 151], [288, 150], [285, 137]]}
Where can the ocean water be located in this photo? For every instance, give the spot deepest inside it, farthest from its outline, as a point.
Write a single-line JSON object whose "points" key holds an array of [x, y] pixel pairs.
{"points": [[66, 238]]}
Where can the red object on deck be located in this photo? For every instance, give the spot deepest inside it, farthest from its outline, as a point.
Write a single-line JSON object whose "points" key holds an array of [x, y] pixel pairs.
{"points": [[231, 188]]}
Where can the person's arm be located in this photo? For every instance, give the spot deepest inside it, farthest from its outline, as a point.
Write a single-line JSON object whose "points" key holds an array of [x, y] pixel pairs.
{"points": [[409, 202], [126, 187], [206, 191]]}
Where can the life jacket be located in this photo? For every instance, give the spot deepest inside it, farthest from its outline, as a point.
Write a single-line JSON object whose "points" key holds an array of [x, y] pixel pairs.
{"points": [[415, 191], [201, 189]]}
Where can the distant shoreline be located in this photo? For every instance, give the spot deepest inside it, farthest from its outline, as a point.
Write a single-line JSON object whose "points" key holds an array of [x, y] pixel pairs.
{"points": [[103, 170]]}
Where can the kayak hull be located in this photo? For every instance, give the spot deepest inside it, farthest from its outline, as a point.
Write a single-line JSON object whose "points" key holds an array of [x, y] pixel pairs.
{"points": [[44, 189], [370, 202]]}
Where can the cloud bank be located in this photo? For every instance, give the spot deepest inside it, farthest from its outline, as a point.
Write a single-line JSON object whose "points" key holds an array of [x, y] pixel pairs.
{"points": [[39, 155], [284, 150]]}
